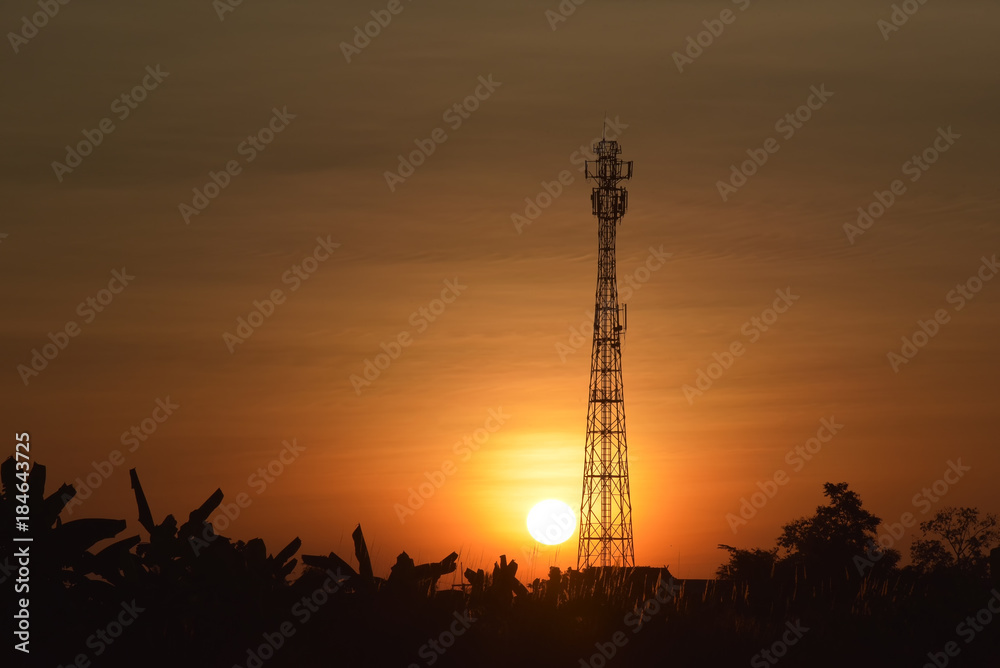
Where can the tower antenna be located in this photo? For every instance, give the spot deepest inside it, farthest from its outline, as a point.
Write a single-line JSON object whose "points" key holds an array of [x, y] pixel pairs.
{"points": [[606, 506]]}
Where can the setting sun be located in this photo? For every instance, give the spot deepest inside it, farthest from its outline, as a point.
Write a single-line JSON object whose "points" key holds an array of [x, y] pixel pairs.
{"points": [[551, 522]]}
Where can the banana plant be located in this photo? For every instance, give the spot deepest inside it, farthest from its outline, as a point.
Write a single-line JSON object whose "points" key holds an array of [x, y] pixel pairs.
{"points": [[63, 548]]}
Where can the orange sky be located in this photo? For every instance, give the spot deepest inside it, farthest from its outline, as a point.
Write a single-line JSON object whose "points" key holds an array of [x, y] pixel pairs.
{"points": [[496, 347]]}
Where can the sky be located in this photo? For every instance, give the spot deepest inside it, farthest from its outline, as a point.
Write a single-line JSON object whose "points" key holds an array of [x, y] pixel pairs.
{"points": [[304, 126]]}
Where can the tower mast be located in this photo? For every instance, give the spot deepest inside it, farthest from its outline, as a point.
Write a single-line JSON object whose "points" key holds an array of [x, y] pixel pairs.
{"points": [[606, 509]]}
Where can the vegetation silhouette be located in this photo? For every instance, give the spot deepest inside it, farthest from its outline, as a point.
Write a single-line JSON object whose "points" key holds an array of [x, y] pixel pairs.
{"points": [[184, 595]]}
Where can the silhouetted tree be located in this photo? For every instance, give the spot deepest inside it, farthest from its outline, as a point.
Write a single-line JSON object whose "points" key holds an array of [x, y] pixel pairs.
{"points": [[747, 565], [837, 533], [956, 538]]}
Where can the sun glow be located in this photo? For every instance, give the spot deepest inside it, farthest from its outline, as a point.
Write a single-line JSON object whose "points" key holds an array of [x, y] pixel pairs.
{"points": [[551, 522]]}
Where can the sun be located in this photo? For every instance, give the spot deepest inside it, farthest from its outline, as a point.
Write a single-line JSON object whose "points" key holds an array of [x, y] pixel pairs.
{"points": [[551, 522]]}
